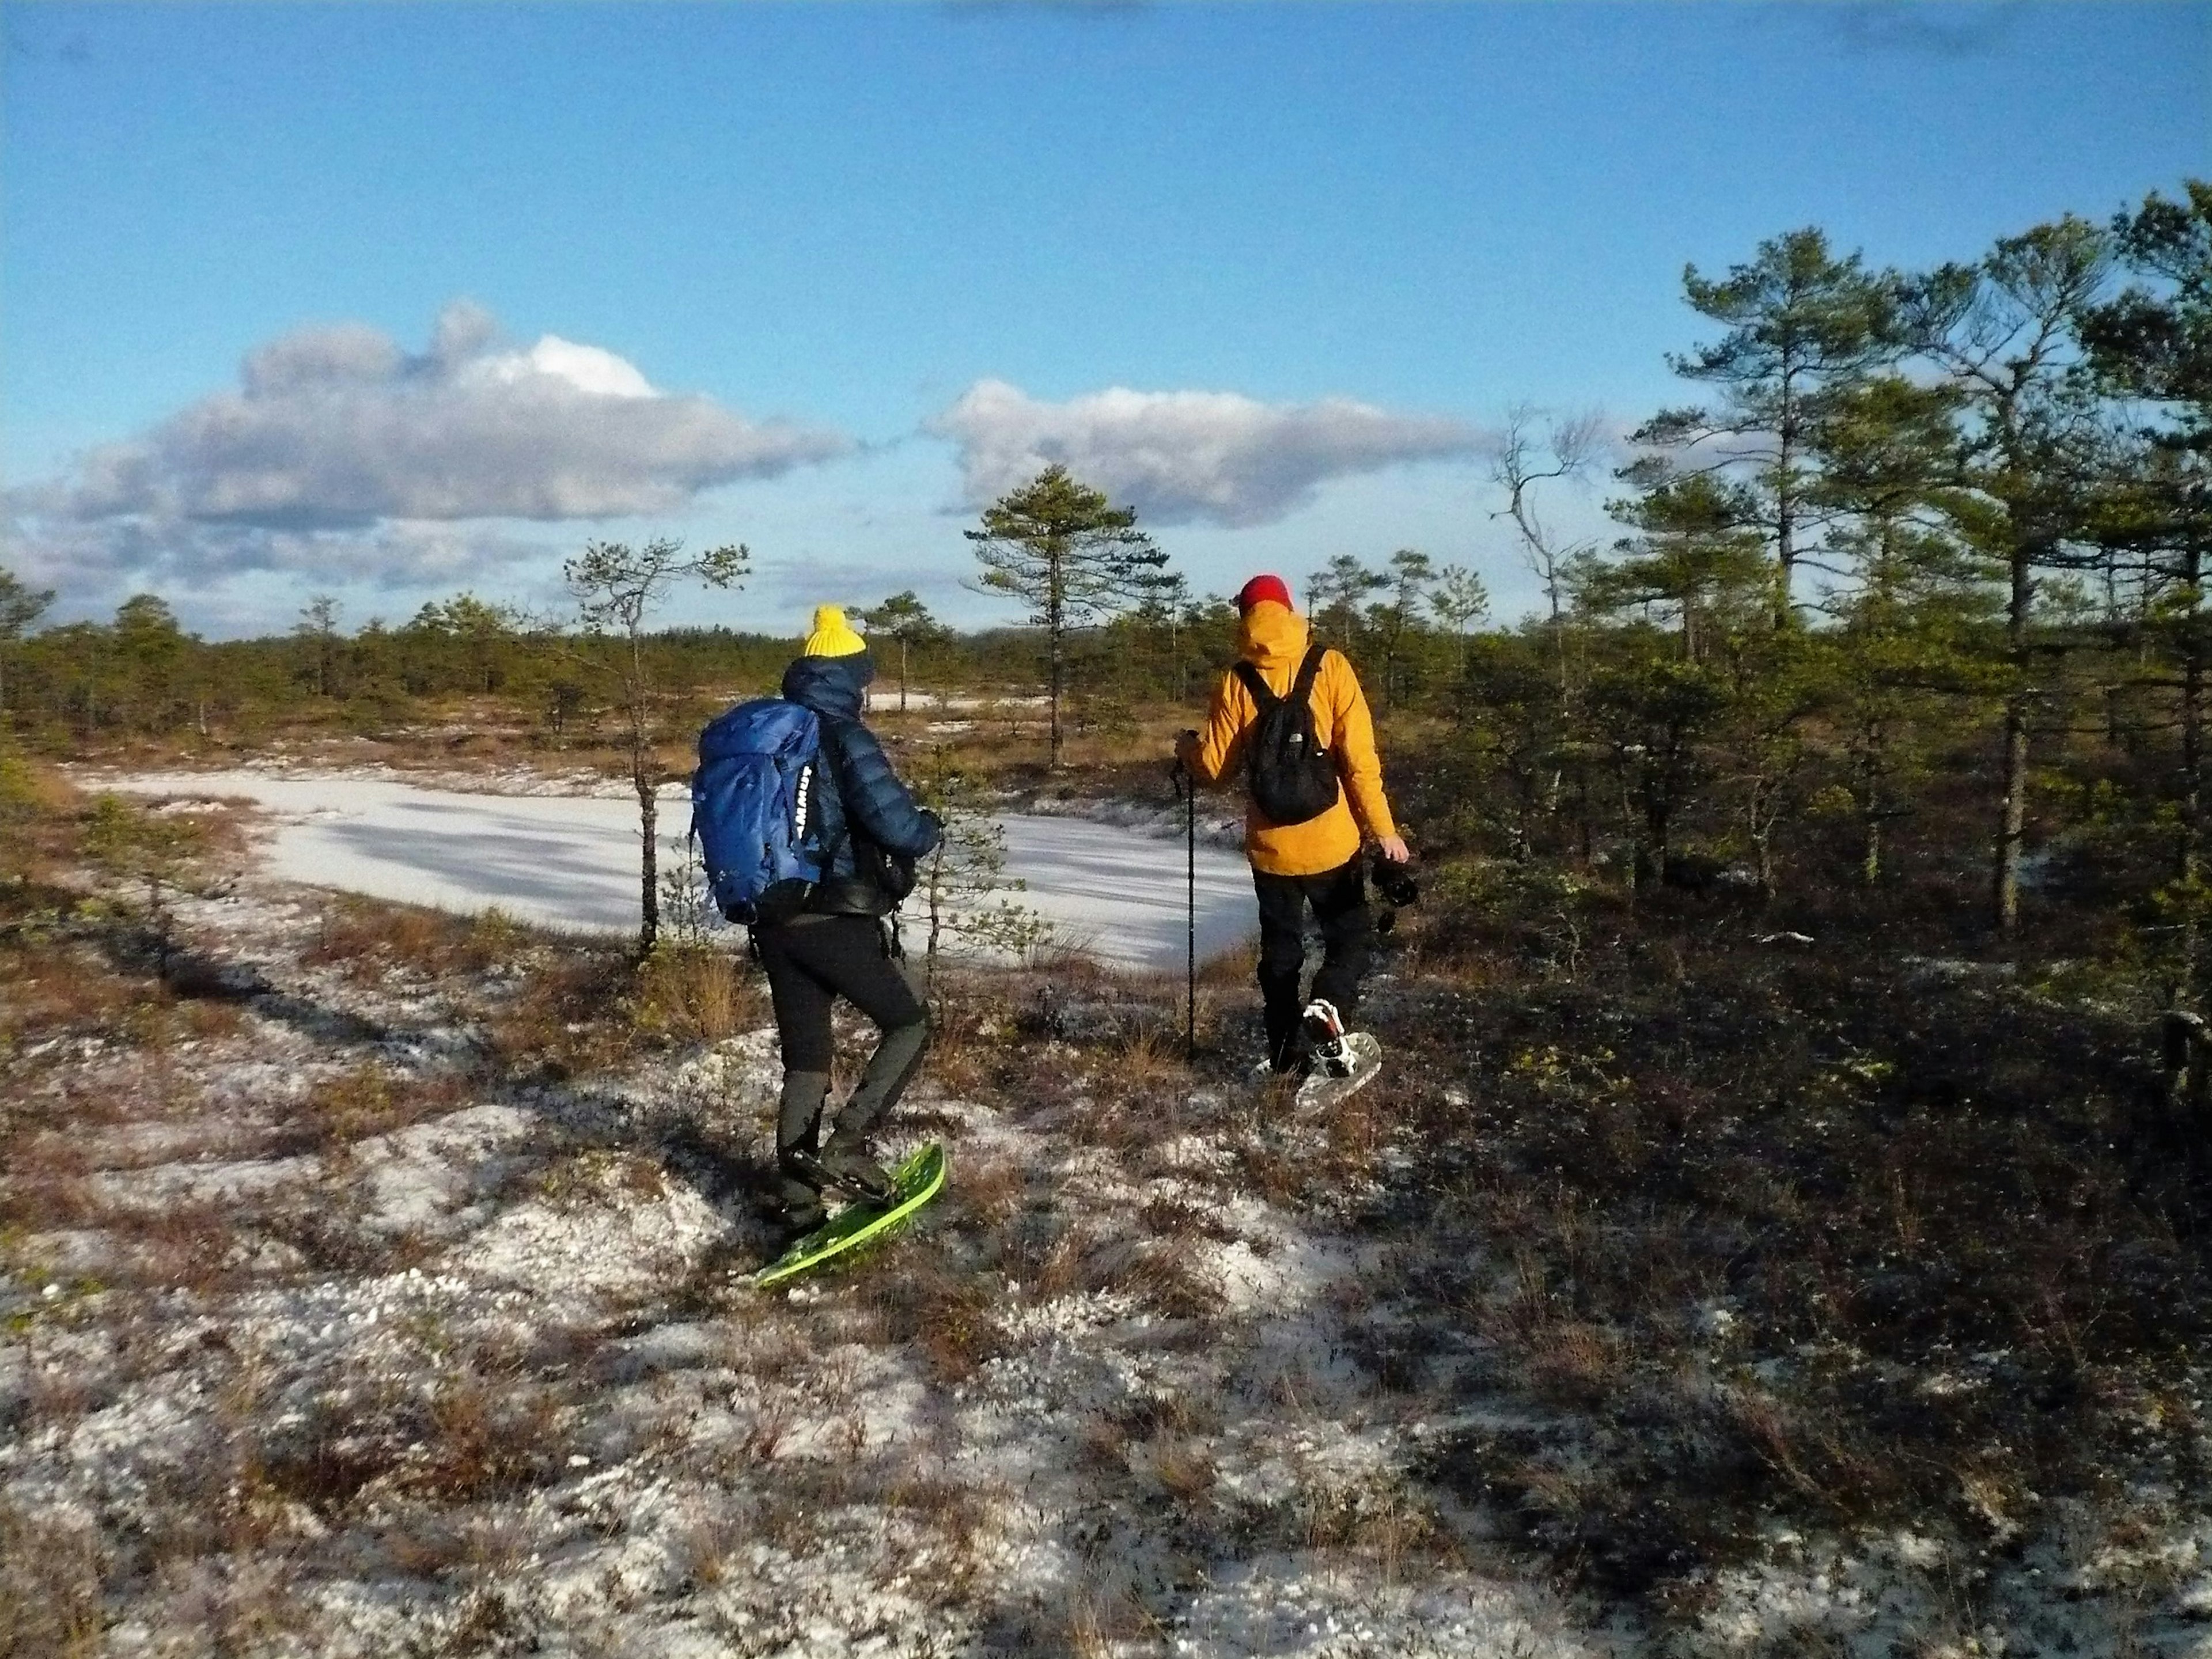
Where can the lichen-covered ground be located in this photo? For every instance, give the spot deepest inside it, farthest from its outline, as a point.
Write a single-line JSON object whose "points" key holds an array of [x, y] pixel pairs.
{"points": [[331, 1330], [374, 1285]]}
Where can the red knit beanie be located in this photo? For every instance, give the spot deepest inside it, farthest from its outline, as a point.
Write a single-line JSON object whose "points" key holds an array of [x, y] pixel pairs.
{"points": [[1262, 587]]}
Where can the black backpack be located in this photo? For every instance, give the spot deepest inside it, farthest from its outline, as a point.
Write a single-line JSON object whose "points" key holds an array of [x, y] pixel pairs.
{"points": [[1293, 777]]}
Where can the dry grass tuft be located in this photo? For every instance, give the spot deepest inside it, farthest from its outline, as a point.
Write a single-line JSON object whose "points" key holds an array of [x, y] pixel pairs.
{"points": [[1149, 1059], [371, 1099], [1102, 1617], [366, 939], [49, 1583], [1181, 1467], [1163, 1276], [61, 987], [1178, 1219], [557, 1024], [694, 992], [487, 1440], [195, 1247], [1574, 1362], [993, 1193], [1234, 967], [948, 1316]]}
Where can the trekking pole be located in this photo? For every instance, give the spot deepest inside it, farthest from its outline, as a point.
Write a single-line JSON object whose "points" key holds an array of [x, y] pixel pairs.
{"points": [[1187, 786]]}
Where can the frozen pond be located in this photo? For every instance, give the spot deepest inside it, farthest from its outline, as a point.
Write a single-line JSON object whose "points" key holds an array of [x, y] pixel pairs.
{"points": [[571, 861]]}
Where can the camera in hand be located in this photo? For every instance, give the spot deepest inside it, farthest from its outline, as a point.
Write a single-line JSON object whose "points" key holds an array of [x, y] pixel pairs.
{"points": [[1396, 884]]}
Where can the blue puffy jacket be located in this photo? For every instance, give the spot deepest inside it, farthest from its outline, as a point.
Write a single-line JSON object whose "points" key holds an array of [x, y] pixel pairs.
{"points": [[866, 792]]}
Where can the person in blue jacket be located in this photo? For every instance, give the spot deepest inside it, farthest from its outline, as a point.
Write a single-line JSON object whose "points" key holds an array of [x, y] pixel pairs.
{"points": [[840, 944]]}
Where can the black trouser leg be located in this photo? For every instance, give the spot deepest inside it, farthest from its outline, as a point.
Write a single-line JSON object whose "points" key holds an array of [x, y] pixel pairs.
{"points": [[1347, 934], [797, 1129], [1338, 898], [891, 1068], [1282, 964], [814, 959]]}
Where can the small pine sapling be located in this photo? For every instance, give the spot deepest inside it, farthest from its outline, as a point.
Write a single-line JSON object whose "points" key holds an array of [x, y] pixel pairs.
{"points": [[964, 882], [132, 845]]}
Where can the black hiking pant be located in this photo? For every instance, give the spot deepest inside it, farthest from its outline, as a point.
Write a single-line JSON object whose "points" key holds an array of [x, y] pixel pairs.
{"points": [[1338, 898], [813, 960]]}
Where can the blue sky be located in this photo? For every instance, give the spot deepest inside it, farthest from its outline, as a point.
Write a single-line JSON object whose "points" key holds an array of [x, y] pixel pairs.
{"points": [[820, 278]]}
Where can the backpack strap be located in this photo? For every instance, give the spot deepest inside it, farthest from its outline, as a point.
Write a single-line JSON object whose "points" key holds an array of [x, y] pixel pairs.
{"points": [[833, 768], [1302, 685], [1263, 698]]}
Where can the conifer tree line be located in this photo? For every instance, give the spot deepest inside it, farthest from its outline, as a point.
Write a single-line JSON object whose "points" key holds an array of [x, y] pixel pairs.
{"points": [[1909, 582]]}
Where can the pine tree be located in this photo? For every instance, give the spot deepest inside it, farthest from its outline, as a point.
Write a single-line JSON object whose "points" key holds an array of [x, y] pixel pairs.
{"points": [[1335, 594], [318, 630], [1918, 598], [1070, 555], [1407, 580], [2001, 333], [2153, 344], [905, 618], [1695, 562], [1801, 325], [1695, 573], [19, 606]]}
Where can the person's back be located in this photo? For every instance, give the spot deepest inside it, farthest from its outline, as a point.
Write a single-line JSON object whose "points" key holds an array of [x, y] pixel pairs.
{"points": [[838, 945], [867, 812], [1316, 862]]}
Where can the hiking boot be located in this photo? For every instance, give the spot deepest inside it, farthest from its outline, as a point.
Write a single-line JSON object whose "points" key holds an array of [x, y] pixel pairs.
{"points": [[848, 1167], [1324, 1031], [796, 1220], [801, 1210]]}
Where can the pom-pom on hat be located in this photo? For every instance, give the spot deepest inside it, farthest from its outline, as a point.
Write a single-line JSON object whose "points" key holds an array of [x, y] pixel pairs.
{"points": [[1262, 587], [832, 636]]}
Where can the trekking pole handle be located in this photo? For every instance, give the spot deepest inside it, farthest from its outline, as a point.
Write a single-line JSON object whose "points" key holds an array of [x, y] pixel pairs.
{"points": [[1179, 773]]}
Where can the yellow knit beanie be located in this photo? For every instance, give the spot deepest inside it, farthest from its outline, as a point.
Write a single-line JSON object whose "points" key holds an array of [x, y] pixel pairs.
{"points": [[831, 636]]}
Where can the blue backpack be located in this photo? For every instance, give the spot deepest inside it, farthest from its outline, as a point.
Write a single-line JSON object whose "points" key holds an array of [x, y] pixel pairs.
{"points": [[754, 808]]}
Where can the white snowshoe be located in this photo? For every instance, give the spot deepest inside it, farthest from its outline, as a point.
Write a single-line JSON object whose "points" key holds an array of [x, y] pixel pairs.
{"points": [[1343, 1063]]}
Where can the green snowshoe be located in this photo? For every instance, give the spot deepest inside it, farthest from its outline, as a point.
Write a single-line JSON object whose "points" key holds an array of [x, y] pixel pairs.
{"points": [[914, 1183]]}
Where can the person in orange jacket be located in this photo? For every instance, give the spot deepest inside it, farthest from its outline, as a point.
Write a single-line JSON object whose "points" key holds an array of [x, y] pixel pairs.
{"points": [[1315, 863]]}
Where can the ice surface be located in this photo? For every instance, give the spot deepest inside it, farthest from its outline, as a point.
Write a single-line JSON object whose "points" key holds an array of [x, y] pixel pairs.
{"points": [[569, 861]]}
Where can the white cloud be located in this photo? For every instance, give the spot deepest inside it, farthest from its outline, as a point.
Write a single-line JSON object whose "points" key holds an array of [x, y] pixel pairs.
{"points": [[88, 559], [338, 426], [342, 455], [1182, 456]]}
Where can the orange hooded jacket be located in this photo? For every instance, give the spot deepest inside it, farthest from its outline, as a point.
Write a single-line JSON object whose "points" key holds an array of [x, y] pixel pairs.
{"points": [[1272, 638]]}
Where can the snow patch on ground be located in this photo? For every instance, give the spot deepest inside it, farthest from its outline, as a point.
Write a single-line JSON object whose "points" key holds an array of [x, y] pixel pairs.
{"points": [[491, 1382], [611, 1236], [570, 861]]}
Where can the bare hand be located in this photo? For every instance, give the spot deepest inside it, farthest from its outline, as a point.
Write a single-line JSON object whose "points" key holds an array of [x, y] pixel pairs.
{"points": [[1394, 848]]}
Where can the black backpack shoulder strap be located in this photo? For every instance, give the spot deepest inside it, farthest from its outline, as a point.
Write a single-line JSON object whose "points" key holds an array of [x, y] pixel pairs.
{"points": [[1302, 688], [833, 768], [1263, 697]]}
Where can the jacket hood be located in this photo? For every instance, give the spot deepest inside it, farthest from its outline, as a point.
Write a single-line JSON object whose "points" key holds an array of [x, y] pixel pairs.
{"points": [[834, 686], [1272, 635]]}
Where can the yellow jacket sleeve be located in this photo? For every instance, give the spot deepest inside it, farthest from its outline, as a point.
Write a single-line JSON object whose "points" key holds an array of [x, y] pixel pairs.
{"points": [[1229, 718], [1353, 737]]}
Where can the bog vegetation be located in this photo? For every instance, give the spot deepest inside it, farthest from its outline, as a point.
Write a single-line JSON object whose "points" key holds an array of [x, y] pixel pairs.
{"points": [[1911, 530], [1802, 1045]]}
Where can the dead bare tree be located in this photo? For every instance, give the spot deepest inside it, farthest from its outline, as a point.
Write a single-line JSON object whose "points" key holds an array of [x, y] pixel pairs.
{"points": [[616, 587], [1536, 447]]}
